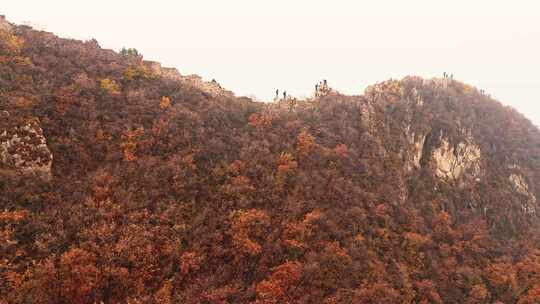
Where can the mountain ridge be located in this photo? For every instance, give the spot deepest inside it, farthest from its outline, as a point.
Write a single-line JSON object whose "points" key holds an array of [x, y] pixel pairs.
{"points": [[162, 188]]}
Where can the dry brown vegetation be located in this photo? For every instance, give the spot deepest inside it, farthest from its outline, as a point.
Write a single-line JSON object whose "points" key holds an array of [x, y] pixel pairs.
{"points": [[161, 193]]}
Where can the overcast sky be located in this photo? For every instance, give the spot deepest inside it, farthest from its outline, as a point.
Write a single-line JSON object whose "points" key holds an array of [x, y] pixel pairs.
{"points": [[253, 47]]}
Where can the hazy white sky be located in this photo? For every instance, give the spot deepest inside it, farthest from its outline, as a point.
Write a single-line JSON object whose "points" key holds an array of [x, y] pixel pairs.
{"points": [[253, 47]]}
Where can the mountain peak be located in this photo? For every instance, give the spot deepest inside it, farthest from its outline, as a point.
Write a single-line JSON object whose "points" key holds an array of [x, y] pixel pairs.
{"points": [[122, 181]]}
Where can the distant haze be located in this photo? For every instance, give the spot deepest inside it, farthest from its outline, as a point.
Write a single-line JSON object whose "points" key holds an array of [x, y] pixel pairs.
{"points": [[255, 47]]}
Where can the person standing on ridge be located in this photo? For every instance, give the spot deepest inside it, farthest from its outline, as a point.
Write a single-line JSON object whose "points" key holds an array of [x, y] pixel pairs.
{"points": [[316, 90], [284, 95], [277, 94]]}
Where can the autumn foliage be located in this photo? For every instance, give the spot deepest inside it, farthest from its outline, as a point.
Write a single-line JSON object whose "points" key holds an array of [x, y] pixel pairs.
{"points": [[162, 193]]}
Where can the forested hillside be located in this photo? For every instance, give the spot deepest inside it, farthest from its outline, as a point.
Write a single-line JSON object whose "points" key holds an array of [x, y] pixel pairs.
{"points": [[122, 181]]}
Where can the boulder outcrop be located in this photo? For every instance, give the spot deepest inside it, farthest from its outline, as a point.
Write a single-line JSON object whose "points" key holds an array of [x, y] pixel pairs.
{"points": [[23, 148], [522, 187], [452, 161]]}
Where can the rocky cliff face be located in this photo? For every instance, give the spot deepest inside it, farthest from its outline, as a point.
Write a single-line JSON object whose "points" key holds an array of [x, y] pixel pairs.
{"points": [[519, 183], [453, 161], [443, 146], [23, 148]]}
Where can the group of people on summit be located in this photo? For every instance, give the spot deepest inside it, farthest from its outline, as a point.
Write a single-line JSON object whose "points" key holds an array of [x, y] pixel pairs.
{"points": [[321, 89], [277, 95], [451, 77]]}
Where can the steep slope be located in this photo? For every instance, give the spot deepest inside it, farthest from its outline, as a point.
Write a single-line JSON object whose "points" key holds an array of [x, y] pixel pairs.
{"points": [[125, 182]]}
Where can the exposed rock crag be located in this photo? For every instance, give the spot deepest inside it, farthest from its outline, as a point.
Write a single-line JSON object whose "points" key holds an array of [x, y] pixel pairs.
{"points": [[24, 148]]}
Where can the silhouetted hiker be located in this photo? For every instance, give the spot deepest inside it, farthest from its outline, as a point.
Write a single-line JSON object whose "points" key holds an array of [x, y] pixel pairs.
{"points": [[316, 90], [325, 83], [277, 93]]}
